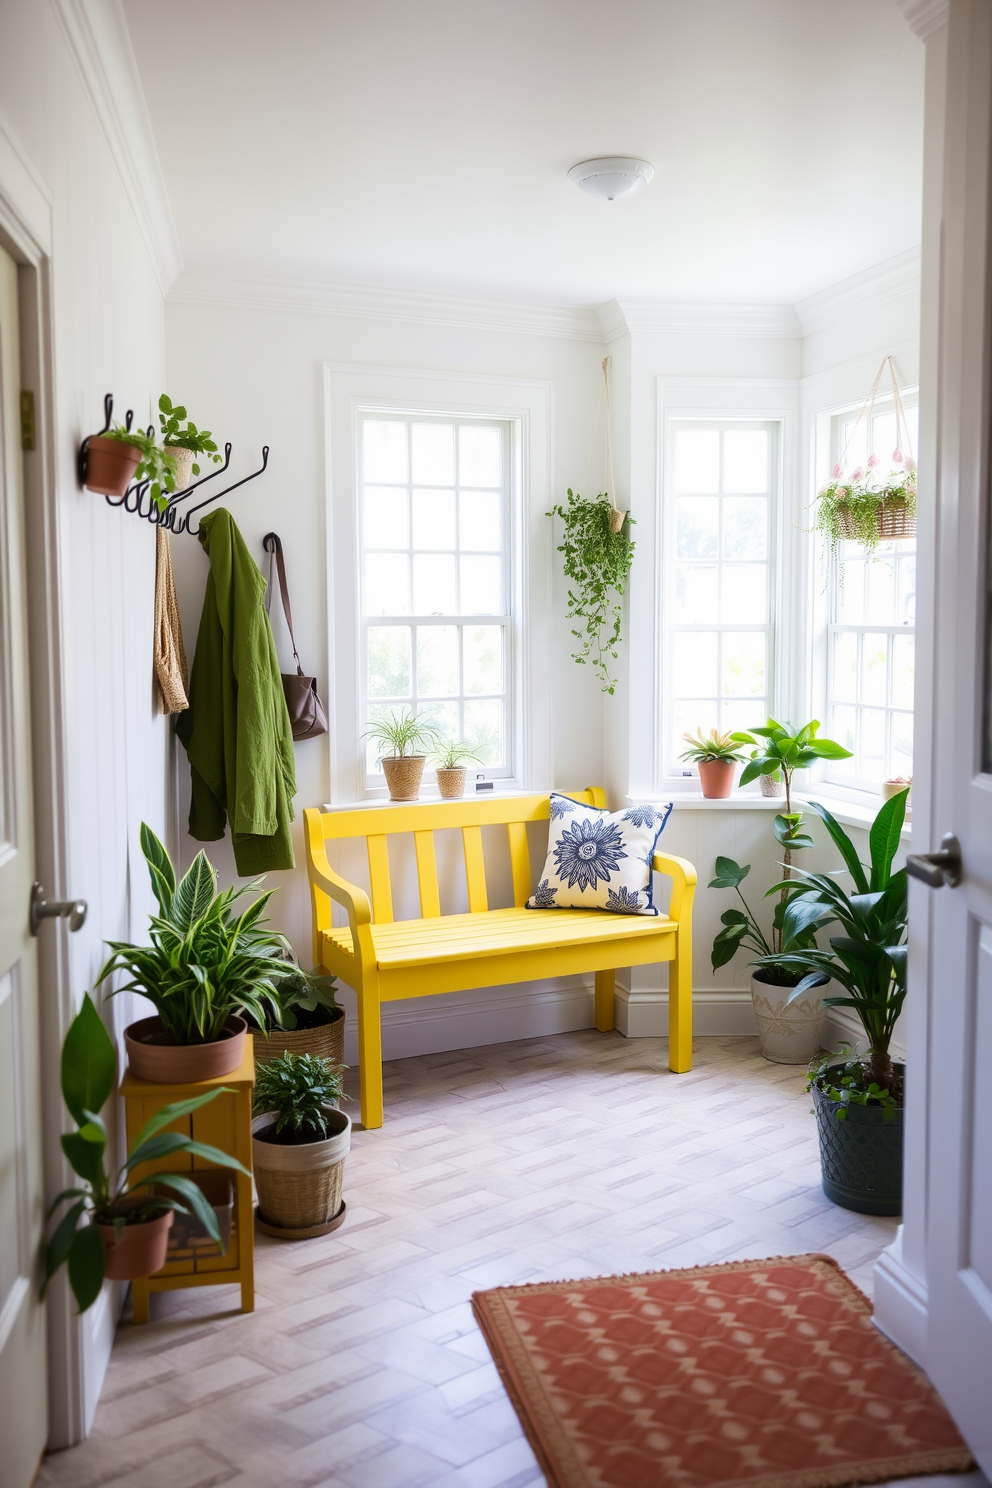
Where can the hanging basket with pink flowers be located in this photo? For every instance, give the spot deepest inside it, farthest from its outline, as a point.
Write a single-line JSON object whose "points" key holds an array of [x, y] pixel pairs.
{"points": [[871, 504]]}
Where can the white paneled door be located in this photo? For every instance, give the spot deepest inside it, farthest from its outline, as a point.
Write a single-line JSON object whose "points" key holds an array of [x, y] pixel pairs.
{"points": [[23, 1387], [959, 1160]]}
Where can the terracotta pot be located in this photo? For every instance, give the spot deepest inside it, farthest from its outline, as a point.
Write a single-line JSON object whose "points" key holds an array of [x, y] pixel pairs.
{"points": [[182, 459], [403, 773], [151, 1057], [716, 778], [299, 1185], [451, 783], [793, 1034], [110, 464], [141, 1249], [326, 1041]]}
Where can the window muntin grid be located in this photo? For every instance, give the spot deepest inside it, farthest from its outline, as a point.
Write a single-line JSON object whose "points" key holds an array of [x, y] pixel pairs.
{"points": [[434, 498], [871, 632], [722, 476]]}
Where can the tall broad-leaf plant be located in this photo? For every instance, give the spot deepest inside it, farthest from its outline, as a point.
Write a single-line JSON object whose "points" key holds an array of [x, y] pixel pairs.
{"points": [[868, 959], [211, 955]]}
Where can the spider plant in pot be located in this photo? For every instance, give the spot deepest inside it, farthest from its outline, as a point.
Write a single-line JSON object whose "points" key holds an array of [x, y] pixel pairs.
{"points": [[210, 959], [117, 1225], [450, 769], [714, 755], [299, 1143], [858, 1097], [183, 441], [405, 740], [312, 1020]]}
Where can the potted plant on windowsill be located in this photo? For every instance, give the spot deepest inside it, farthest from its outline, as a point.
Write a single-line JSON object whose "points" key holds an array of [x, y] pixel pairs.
{"points": [[209, 961], [409, 738], [858, 1099], [790, 1029], [450, 770], [299, 1144], [182, 441], [312, 1020], [116, 1226], [714, 755]]}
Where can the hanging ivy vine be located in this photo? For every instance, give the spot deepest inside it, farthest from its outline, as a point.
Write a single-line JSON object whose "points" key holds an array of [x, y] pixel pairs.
{"points": [[597, 562]]}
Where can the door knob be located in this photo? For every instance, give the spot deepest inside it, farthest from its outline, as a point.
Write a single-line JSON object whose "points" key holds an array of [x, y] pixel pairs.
{"points": [[74, 910], [938, 868]]}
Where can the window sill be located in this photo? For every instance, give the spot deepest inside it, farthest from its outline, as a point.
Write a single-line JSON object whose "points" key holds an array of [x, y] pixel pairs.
{"points": [[430, 796], [848, 813]]}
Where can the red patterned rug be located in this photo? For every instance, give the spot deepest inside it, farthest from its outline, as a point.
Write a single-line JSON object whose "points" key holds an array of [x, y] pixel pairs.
{"points": [[756, 1374]]}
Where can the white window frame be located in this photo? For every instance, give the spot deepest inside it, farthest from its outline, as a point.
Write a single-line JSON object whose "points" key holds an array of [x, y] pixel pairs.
{"points": [[828, 435], [459, 619], [726, 400], [526, 406], [673, 768]]}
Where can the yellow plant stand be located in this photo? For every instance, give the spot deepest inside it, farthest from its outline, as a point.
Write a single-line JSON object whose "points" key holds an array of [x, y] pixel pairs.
{"points": [[225, 1123]]}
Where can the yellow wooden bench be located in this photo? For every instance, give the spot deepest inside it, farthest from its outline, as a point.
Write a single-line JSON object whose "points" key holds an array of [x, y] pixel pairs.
{"points": [[384, 960]]}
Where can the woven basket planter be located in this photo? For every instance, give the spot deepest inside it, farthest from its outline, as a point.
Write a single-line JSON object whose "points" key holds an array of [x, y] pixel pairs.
{"points": [[182, 459], [451, 783], [299, 1187], [403, 773], [326, 1042], [892, 522]]}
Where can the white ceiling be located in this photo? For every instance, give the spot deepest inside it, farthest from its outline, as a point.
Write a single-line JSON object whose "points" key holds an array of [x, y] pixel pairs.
{"points": [[424, 143]]}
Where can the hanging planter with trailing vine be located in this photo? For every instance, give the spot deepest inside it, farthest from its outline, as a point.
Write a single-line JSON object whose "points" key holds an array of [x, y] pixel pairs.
{"points": [[598, 554]]}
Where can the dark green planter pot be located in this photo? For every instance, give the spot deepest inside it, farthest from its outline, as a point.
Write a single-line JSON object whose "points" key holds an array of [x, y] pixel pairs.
{"points": [[860, 1157]]}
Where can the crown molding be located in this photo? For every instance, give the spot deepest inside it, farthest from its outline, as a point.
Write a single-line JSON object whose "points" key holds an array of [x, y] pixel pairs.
{"points": [[924, 16], [674, 318], [875, 286], [373, 302], [98, 41]]}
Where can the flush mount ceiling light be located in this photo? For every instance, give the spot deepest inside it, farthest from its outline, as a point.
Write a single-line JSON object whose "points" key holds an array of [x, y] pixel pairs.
{"points": [[611, 176]]}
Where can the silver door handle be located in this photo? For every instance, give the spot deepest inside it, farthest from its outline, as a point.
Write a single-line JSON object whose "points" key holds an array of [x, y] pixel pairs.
{"points": [[938, 868], [74, 910]]}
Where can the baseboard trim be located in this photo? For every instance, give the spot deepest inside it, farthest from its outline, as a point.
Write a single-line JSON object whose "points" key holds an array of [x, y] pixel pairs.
{"points": [[901, 1303], [844, 1027], [644, 1014]]}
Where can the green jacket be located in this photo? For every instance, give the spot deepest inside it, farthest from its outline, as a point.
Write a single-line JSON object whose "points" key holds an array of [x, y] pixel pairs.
{"points": [[236, 730]]}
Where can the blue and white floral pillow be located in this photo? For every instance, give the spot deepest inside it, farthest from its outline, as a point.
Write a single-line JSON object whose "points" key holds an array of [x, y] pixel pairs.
{"points": [[599, 859]]}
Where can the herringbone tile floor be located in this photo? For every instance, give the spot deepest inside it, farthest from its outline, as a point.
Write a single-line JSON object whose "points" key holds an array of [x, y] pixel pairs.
{"points": [[362, 1367]]}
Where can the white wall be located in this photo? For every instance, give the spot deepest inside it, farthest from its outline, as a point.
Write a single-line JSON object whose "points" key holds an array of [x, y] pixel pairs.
{"points": [[107, 334]]}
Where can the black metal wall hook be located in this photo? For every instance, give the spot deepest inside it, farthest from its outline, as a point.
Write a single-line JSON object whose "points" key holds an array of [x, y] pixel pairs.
{"points": [[183, 524], [133, 498]]}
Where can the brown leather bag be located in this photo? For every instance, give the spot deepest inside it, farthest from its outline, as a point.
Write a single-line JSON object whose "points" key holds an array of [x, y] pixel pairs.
{"points": [[306, 711]]}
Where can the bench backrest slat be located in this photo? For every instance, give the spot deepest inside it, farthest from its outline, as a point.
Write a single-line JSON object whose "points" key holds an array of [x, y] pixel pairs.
{"points": [[519, 862], [423, 819], [382, 894], [475, 870], [430, 897]]}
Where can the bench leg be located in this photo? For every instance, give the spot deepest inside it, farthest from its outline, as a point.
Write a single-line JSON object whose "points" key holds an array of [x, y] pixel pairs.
{"points": [[370, 1055], [604, 1000], [680, 1006]]}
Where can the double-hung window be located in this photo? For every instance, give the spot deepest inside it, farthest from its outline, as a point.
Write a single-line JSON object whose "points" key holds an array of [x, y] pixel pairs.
{"points": [[871, 617], [722, 479], [436, 578]]}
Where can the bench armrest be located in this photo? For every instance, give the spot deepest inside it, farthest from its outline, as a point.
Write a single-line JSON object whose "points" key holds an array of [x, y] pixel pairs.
{"points": [[325, 885], [683, 876]]}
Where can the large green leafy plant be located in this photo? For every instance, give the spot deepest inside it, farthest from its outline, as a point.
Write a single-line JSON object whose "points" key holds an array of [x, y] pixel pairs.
{"points": [[868, 959], [296, 1088], [209, 957], [777, 749], [89, 1066], [597, 561]]}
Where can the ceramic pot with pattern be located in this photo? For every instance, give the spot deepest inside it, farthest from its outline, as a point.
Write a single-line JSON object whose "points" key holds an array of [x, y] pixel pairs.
{"points": [[861, 1155], [789, 1034]]}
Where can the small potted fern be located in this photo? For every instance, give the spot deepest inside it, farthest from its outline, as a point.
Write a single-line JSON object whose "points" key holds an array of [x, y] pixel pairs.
{"points": [[299, 1144], [714, 755], [405, 740], [450, 769]]}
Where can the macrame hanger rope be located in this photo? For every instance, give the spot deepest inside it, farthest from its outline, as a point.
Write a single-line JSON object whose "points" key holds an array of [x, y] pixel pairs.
{"points": [[611, 485], [592, 436], [866, 410], [904, 444]]}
